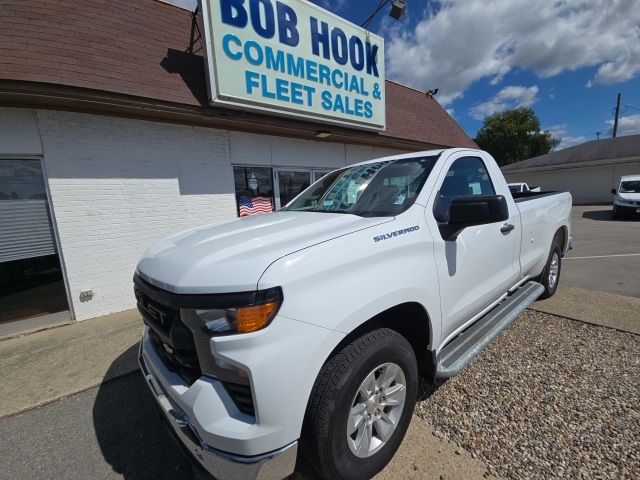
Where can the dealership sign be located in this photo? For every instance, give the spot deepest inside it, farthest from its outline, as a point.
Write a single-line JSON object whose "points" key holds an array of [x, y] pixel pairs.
{"points": [[290, 57]]}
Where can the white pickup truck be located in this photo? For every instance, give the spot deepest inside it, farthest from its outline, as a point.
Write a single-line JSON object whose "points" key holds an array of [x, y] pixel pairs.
{"points": [[304, 330]]}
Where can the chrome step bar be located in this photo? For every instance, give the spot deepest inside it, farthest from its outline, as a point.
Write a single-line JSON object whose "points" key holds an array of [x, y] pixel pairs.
{"points": [[464, 348]]}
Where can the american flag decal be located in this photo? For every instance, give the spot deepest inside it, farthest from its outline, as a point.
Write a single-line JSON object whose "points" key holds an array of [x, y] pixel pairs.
{"points": [[251, 206]]}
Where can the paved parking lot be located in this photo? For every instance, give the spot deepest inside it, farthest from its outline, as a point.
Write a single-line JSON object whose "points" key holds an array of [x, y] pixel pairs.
{"points": [[606, 252]]}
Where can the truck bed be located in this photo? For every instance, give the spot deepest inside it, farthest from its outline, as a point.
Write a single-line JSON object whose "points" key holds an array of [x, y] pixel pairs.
{"points": [[519, 197]]}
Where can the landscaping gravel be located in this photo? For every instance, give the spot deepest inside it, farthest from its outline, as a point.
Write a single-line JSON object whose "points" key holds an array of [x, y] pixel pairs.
{"points": [[549, 398]]}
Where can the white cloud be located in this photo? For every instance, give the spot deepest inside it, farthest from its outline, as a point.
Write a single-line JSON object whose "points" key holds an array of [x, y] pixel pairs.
{"points": [[463, 41], [569, 141], [509, 97], [557, 131], [450, 111], [560, 132], [629, 125]]}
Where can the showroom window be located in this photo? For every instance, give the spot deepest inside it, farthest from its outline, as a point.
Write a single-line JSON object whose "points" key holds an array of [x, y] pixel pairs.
{"points": [[264, 189], [254, 190]]}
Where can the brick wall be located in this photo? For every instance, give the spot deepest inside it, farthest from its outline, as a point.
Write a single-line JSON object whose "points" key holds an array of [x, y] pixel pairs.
{"points": [[119, 184]]}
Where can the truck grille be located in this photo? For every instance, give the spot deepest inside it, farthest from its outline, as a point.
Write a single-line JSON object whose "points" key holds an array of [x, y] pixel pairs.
{"points": [[174, 343], [172, 340]]}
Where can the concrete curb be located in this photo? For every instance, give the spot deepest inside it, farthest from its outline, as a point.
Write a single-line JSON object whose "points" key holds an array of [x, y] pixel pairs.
{"points": [[597, 308]]}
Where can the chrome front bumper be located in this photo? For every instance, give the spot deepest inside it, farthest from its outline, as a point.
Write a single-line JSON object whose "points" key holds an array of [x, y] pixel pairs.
{"points": [[274, 465]]}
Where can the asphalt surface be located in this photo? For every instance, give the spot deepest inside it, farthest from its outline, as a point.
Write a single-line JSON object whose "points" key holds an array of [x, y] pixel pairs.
{"points": [[606, 252], [107, 432]]}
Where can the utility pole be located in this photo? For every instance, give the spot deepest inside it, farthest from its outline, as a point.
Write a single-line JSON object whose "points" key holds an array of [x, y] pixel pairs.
{"points": [[615, 122]]}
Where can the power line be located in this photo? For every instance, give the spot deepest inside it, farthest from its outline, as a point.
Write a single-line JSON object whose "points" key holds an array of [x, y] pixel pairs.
{"points": [[380, 6]]}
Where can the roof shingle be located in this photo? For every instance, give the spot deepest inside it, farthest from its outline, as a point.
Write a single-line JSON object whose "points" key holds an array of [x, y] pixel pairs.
{"points": [[593, 151]]}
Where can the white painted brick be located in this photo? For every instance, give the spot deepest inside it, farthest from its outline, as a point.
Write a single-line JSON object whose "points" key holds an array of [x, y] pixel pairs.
{"points": [[119, 184]]}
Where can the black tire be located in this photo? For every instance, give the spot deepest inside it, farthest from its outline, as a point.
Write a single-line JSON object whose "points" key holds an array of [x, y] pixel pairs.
{"points": [[616, 215], [324, 436], [545, 278]]}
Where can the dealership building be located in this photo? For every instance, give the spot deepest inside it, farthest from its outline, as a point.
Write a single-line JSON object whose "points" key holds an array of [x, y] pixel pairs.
{"points": [[588, 171], [122, 122]]}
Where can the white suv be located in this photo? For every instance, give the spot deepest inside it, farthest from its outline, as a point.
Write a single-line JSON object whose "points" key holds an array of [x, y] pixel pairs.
{"points": [[627, 196]]}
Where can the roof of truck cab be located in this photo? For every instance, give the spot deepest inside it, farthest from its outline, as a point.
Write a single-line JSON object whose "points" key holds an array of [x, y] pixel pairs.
{"points": [[423, 153], [626, 178]]}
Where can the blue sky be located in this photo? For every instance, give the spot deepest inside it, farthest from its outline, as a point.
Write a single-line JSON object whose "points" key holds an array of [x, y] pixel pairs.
{"points": [[566, 59]]}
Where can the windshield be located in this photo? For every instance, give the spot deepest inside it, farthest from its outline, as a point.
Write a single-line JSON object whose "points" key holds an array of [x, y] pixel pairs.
{"points": [[632, 186], [381, 189]]}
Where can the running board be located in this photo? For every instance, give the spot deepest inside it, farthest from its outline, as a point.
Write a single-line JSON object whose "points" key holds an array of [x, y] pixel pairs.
{"points": [[464, 348]]}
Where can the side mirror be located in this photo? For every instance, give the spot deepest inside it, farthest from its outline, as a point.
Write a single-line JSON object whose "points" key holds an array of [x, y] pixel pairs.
{"points": [[613, 190], [473, 210]]}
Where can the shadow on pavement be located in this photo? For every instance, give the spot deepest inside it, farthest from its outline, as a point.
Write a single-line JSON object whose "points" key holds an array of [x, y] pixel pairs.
{"points": [[605, 215], [131, 435]]}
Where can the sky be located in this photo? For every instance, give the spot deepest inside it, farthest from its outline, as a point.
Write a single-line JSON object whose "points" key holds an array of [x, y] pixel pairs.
{"points": [[566, 59]]}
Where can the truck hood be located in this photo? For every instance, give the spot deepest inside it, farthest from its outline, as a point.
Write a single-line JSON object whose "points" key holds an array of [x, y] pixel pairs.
{"points": [[231, 257]]}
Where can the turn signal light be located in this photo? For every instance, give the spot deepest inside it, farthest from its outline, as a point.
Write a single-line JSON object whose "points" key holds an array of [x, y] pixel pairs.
{"points": [[250, 319]]}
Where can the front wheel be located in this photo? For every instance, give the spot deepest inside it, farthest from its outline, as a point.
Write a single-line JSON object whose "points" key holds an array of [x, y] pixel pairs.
{"points": [[551, 274], [361, 406], [616, 214]]}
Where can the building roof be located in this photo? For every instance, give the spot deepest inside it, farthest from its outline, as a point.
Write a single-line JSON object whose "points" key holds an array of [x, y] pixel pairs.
{"points": [[147, 56], [595, 152]]}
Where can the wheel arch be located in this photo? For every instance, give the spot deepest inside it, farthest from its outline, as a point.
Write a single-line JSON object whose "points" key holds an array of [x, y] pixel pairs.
{"points": [[563, 236], [409, 319]]}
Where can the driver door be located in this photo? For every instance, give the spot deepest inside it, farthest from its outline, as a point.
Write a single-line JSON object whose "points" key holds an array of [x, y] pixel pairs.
{"points": [[478, 267]]}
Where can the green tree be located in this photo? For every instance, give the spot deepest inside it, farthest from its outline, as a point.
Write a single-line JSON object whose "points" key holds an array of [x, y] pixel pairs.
{"points": [[514, 135]]}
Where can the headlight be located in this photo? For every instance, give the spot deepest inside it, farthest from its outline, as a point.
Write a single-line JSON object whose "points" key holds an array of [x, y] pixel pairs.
{"points": [[256, 311], [237, 320], [257, 314]]}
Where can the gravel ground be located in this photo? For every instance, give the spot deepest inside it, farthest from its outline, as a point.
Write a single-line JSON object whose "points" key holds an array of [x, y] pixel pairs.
{"points": [[549, 398]]}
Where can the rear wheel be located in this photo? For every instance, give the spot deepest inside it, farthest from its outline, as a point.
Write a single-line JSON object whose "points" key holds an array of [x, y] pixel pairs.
{"points": [[361, 406], [551, 274], [616, 214]]}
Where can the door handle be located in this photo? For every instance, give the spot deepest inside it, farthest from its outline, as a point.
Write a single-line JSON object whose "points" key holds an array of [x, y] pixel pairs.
{"points": [[506, 228]]}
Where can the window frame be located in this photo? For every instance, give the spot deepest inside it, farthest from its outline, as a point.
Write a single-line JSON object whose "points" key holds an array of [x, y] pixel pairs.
{"points": [[464, 157], [437, 209]]}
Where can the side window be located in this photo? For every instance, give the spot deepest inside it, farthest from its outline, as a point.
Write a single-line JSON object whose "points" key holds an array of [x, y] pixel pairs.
{"points": [[467, 176]]}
